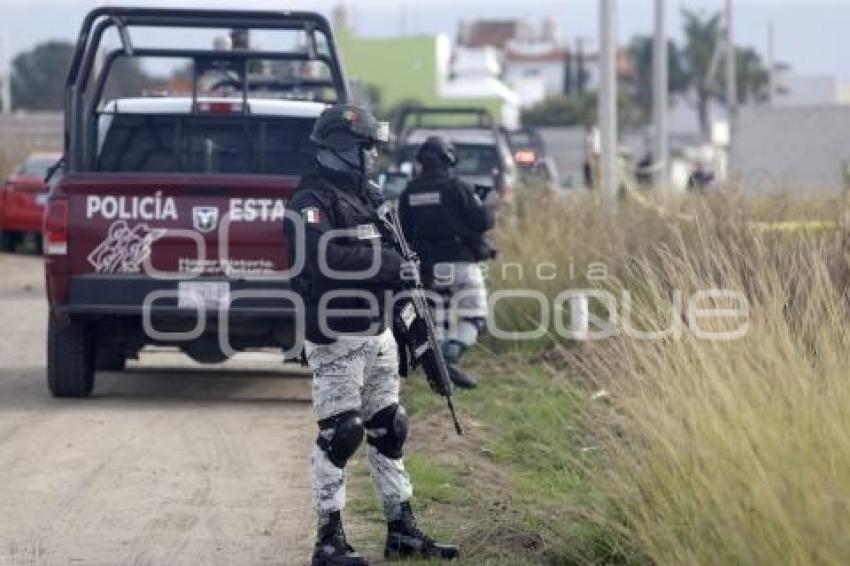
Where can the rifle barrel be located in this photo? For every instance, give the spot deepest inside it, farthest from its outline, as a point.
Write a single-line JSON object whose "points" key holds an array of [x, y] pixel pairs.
{"points": [[458, 428]]}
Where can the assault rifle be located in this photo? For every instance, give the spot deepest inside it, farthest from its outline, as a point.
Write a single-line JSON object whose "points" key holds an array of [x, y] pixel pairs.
{"points": [[416, 319]]}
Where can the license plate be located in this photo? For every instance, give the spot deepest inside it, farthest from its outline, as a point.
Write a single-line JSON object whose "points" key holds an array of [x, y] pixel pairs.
{"points": [[41, 199], [210, 295]]}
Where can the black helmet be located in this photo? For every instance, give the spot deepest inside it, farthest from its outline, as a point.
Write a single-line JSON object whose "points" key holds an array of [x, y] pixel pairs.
{"points": [[439, 149], [344, 127]]}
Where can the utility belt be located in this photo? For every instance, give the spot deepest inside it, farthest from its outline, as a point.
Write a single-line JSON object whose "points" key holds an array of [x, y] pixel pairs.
{"points": [[476, 246]]}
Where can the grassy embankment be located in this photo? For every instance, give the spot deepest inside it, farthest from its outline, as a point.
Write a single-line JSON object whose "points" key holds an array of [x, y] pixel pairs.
{"points": [[700, 451]]}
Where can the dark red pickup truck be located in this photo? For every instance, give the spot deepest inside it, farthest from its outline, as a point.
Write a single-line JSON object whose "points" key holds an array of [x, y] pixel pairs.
{"points": [[164, 222]]}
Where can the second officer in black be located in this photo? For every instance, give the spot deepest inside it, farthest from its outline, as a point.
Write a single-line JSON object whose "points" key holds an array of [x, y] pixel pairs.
{"points": [[446, 222]]}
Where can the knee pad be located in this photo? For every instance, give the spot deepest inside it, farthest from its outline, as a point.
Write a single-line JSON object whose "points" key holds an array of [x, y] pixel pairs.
{"points": [[479, 323], [387, 431], [340, 436]]}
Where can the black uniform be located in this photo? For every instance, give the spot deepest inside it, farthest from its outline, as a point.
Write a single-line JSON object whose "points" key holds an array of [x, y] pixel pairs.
{"points": [[323, 207], [444, 219]]}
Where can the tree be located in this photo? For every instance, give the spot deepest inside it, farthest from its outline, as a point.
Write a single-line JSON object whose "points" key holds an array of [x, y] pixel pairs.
{"points": [[579, 110], [701, 69], [641, 51], [38, 76], [702, 34], [127, 79], [752, 75]]}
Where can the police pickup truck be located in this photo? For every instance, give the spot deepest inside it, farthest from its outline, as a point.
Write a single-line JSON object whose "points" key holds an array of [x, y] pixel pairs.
{"points": [[164, 221]]}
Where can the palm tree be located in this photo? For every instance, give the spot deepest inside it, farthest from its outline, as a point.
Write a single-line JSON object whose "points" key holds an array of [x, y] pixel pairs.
{"points": [[700, 57], [641, 50], [702, 36], [753, 76]]}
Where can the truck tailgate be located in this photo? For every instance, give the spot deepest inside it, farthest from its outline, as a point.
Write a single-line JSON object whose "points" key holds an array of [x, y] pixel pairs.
{"points": [[172, 225]]}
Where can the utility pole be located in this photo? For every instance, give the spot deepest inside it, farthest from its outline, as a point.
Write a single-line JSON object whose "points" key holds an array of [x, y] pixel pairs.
{"points": [[771, 62], [5, 74], [731, 83], [580, 66], [661, 91], [608, 98]]}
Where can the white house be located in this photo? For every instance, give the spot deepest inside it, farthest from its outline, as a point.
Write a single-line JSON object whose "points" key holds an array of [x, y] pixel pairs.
{"points": [[475, 74], [536, 69]]}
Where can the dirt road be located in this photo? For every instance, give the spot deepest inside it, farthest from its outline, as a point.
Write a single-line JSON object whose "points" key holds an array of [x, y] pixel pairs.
{"points": [[161, 466]]}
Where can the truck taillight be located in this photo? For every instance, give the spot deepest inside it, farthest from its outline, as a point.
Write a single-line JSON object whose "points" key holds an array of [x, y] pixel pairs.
{"points": [[219, 107], [56, 227], [525, 157]]}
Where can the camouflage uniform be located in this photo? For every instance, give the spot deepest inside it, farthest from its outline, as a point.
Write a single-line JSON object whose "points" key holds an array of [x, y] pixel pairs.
{"points": [[354, 357], [464, 306], [356, 373]]}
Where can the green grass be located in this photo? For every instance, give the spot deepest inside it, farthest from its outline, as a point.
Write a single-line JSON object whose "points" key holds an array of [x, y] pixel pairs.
{"points": [[703, 452], [510, 492]]}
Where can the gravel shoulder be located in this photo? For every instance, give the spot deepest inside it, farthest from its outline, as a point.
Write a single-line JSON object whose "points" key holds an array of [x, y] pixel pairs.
{"points": [[169, 462]]}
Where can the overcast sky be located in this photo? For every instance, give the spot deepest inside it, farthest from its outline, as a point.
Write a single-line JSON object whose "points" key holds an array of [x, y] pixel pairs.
{"points": [[812, 35]]}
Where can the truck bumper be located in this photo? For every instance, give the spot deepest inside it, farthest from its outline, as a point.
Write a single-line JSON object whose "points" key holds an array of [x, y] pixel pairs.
{"points": [[104, 295]]}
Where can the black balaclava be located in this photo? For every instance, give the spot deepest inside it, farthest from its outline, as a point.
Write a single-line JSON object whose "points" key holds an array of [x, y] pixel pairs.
{"points": [[433, 164], [349, 168]]}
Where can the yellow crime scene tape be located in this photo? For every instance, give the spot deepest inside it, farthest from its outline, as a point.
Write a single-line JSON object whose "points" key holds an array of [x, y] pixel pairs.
{"points": [[788, 226]]}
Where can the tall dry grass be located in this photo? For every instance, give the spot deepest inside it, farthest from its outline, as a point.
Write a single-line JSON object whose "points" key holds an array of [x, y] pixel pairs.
{"points": [[710, 452]]}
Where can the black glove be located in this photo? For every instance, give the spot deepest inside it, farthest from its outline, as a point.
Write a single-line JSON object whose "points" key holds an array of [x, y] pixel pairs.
{"points": [[412, 334]]}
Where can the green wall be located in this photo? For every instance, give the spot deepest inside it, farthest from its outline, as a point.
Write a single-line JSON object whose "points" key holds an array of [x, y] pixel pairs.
{"points": [[403, 68]]}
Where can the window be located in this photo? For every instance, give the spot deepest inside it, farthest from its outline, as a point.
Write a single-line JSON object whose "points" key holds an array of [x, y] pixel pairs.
{"points": [[207, 145], [477, 159]]}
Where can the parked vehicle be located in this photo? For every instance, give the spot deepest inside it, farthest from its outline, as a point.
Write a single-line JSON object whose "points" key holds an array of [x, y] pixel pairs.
{"points": [[484, 156], [531, 157], [22, 200], [166, 226]]}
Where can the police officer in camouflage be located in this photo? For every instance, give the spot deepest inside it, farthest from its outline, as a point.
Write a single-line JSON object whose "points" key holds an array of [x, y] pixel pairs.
{"points": [[446, 221], [349, 347]]}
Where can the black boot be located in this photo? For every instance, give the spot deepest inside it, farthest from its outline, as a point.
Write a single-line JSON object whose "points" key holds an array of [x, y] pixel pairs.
{"points": [[404, 540], [453, 352], [331, 547], [460, 378]]}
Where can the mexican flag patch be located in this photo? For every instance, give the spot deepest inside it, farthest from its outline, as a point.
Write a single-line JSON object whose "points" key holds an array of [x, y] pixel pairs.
{"points": [[312, 215]]}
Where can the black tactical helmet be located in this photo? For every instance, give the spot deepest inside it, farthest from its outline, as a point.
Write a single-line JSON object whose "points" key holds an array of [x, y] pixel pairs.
{"points": [[345, 126], [437, 147]]}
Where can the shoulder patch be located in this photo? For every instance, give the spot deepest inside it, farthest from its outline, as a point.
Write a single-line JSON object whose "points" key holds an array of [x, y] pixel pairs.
{"points": [[311, 215], [367, 232], [425, 199]]}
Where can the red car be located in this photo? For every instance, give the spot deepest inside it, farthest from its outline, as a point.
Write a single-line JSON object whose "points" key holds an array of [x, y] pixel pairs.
{"points": [[22, 200]]}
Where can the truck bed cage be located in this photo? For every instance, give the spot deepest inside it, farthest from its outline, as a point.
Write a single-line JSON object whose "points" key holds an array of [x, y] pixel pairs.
{"points": [[81, 106], [480, 118]]}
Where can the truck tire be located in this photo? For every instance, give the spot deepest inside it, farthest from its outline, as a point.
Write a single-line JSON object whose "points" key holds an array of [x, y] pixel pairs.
{"points": [[8, 241], [70, 359], [110, 360]]}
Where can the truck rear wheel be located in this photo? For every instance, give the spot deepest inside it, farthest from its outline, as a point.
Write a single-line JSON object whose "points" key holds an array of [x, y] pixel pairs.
{"points": [[9, 241], [70, 359], [109, 359]]}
